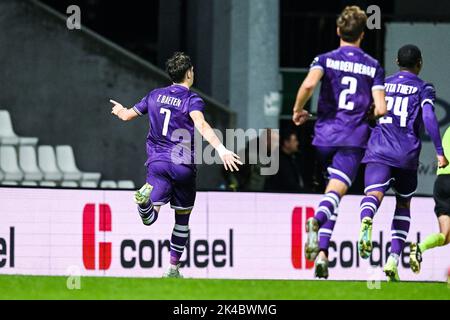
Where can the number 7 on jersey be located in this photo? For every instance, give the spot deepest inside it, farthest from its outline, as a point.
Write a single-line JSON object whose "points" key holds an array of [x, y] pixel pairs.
{"points": [[166, 113]]}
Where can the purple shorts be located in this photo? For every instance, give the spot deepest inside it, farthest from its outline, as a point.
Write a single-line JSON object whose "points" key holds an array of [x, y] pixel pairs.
{"points": [[381, 177], [342, 162], [172, 183]]}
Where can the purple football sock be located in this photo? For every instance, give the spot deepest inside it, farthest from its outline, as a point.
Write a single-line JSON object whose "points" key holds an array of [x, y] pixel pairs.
{"points": [[400, 229], [326, 232], [327, 206], [369, 207], [148, 213], [179, 238]]}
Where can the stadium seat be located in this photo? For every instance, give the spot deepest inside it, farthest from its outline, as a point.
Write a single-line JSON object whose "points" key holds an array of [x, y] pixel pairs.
{"points": [[108, 184], [47, 163], [69, 184], [9, 164], [29, 184], [49, 184], [28, 163], [7, 134], [66, 162], [89, 184], [92, 176], [9, 183], [126, 184]]}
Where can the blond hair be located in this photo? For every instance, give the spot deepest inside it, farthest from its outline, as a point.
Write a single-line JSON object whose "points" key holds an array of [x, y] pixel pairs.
{"points": [[351, 23]]}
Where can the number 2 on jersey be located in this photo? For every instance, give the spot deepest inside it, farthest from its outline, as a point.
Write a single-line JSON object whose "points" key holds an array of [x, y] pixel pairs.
{"points": [[166, 113], [400, 106], [352, 83]]}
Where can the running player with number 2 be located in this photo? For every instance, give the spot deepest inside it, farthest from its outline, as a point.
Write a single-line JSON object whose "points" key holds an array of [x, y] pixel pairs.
{"points": [[351, 82]]}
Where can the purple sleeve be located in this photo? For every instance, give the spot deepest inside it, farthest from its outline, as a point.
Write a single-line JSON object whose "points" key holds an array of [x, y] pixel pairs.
{"points": [[196, 104], [141, 107], [318, 63], [427, 94], [378, 80], [432, 126]]}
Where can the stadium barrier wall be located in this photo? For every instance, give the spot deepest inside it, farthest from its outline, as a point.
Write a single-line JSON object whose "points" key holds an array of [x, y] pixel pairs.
{"points": [[233, 236]]}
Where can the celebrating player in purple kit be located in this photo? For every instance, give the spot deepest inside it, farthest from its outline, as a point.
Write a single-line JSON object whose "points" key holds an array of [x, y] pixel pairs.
{"points": [[351, 82], [392, 155], [173, 112]]}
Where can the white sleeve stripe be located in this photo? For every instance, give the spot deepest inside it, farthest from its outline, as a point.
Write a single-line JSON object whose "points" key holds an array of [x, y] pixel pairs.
{"points": [[427, 101], [316, 67], [137, 111], [378, 87]]}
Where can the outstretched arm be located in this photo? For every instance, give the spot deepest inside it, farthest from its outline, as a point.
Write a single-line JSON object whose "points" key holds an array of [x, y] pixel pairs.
{"points": [[305, 92], [432, 128], [229, 158], [123, 113]]}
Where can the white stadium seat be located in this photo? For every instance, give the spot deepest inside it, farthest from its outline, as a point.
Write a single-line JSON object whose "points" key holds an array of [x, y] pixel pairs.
{"points": [[108, 184], [29, 184], [66, 162], [126, 184], [28, 163], [9, 164], [89, 184], [91, 176], [69, 184], [9, 183], [7, 134], [47, 163], [49, 184]]}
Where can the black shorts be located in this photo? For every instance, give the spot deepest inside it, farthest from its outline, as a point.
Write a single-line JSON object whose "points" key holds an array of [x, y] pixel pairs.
{"points": [[441, 195]]}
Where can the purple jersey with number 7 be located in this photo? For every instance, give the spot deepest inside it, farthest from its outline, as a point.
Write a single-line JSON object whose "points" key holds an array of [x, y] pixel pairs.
{"points": [[345, 98], [171, 134], [395, 141]]}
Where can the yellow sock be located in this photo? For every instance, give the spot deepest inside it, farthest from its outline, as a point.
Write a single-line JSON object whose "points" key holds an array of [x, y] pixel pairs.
{"points": [[432, 241]]}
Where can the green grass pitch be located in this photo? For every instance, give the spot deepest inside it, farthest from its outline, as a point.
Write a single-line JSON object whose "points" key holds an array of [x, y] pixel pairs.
{"points": [[37, 287]]}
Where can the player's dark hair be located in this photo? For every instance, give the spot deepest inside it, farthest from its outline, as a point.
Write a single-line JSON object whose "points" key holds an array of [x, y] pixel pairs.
{"points": [[351, 23], [409, 56], [177, 66]]}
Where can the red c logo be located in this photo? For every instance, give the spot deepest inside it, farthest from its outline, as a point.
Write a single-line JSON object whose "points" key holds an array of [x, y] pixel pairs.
{"points": [[89, 245], [297, 237]]}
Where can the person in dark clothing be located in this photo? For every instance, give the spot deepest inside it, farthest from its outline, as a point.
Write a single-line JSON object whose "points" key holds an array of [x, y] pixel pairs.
{"points": [[288, 178]]}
